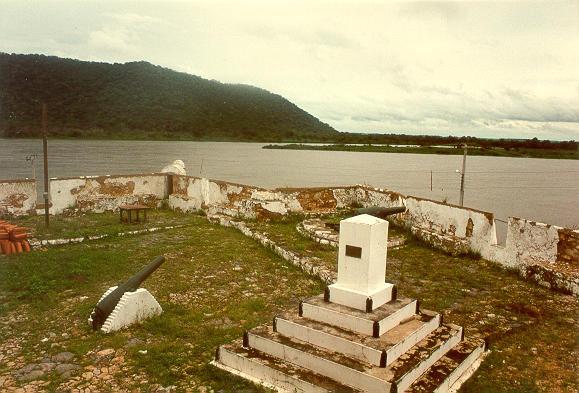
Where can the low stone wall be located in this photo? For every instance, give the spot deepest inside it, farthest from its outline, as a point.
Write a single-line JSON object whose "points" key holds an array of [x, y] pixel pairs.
{"points": [[310, 265], [192, 193], [106, 193], [17, 197]]}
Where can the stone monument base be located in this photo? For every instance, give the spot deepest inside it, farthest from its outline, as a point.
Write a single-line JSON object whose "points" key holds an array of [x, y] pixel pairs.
{"points": [[329, 347], [365, 301]]}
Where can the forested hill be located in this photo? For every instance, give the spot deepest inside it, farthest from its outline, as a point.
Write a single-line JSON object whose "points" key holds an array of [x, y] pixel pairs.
{"points": [[141, 100]]}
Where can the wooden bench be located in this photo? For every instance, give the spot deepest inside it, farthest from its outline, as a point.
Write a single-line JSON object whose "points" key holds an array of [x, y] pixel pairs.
{"points": [[129, 209]]}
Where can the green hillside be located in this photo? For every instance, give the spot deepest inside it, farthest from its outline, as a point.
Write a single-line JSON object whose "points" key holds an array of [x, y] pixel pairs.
{"points": [[143, 101]]}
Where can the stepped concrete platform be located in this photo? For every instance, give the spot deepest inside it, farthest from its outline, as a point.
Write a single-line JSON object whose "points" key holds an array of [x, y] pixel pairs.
{"points": [[323, 350], [374, 324], [380, 351]]}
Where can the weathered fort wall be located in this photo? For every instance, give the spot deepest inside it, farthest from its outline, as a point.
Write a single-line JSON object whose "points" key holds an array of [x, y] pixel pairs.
{"points": [[457, 230], [106, 193], [17, 197]]}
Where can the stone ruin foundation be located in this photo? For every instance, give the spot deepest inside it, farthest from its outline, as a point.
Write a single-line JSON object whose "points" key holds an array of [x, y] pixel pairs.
{"points": [[358, 336]]}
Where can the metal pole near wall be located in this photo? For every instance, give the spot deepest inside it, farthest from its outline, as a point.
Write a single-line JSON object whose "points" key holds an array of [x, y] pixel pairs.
{"points": [[45, 151], [462, 175]]}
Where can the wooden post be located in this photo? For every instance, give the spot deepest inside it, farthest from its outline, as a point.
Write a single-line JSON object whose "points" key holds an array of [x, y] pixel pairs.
{"points": [[45, 151], [462, 174], [430, 180]]}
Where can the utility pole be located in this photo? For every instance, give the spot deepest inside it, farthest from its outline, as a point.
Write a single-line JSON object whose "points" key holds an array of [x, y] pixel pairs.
{"points": [[462, 173], [45, 150]]}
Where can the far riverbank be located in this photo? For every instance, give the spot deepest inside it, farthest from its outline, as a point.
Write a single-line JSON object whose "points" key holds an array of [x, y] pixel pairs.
{"points": [[444, 150]]}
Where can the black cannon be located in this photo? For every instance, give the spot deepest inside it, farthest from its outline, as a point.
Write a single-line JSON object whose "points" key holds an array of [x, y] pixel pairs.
{"points": [[381, 212], [106, 306]]}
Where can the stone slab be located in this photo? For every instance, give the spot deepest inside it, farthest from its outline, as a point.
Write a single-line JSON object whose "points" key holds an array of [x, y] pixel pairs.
{"points": [[365, 301], [448, 373], [380, 351], [273, 373], [374, 324], [352, 372]]}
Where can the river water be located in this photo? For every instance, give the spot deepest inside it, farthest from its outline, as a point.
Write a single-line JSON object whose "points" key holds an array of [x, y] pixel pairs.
{"points": [[539, 189]]}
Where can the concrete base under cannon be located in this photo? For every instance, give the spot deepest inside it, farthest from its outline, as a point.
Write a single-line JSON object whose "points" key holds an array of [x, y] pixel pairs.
{"points": [[132, 308]]}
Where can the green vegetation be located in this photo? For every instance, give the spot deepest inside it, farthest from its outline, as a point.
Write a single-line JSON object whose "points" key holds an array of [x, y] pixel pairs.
{"points": [[91, 224], [142, 101], [215, 284], [559, 151]]}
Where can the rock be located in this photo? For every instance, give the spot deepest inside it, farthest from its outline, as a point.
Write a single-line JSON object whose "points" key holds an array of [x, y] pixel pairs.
{"points": [[143, 352], [134, 342], [46, 367], [31, 376], [87, 375], [63, 357], [66, 368], [26, 369], [105, 352]]}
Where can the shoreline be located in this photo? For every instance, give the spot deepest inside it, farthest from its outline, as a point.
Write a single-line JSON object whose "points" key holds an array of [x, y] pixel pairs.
{"points": [[436, 150]]}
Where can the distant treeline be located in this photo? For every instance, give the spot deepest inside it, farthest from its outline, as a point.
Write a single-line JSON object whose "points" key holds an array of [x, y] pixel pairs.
{"points": [[138, 100], [433, 140], [522, 152]]}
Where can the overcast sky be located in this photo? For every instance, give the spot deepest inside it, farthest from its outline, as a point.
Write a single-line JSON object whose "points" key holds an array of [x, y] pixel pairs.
{"points": [[490, 69]]}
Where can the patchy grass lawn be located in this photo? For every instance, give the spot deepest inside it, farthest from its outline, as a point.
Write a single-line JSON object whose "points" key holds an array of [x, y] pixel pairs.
{"points": [[215, 284], [90, 224], [533, 332]]}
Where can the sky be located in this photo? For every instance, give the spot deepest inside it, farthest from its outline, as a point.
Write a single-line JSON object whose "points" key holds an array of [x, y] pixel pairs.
{"points": [[487, 69]]}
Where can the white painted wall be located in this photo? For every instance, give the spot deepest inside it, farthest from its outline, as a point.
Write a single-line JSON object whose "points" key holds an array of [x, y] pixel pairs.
{"points": [[105, 193], [17, 197]]}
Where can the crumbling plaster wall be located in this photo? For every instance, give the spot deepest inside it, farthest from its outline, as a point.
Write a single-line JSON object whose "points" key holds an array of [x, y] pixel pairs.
{"points": [[106, 193], [17, 197], [530, 242]]}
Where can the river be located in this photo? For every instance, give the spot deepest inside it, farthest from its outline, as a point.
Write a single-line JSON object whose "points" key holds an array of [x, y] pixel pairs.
{"points": [[539, 189]]}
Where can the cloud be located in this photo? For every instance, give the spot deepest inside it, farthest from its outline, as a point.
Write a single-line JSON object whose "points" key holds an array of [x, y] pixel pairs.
{"points": [[484, 68], [124, 33], [112, 38], [431, 9]]}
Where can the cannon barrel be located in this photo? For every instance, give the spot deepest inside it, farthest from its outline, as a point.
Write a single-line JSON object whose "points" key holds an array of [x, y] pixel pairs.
{"points": [[106, 306], [381, 212]]}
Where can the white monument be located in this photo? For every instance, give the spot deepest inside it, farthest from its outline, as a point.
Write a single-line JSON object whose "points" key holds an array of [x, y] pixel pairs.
{"points": [[362, 264]]}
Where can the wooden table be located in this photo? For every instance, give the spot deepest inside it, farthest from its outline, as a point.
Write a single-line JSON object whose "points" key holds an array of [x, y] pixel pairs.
{"points": [[133, 208]]}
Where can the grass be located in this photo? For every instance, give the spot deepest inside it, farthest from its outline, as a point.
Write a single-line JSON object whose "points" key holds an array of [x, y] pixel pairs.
{"points": [[89, 224], [494, 151], [217, 283]]}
